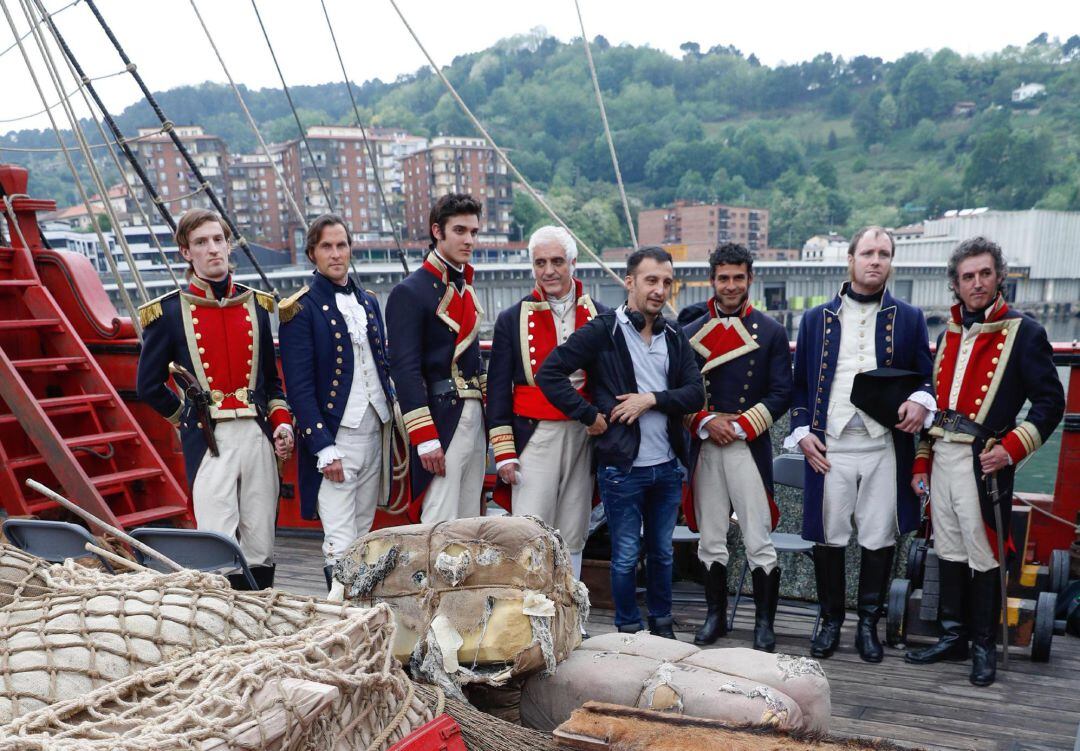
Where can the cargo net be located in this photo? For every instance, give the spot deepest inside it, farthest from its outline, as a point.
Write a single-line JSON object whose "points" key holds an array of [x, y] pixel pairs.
{"points": [[21, 575], [332, 686], [89, 628]]}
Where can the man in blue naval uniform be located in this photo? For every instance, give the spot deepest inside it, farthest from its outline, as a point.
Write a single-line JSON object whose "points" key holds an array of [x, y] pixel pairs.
{"points": [[333, 354], [856, 466], [433, 318], [745, 359]]}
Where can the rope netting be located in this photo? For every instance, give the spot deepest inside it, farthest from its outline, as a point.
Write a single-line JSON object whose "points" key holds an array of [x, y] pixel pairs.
{"points": [[331, 686], [481, 731], [89, 628]]}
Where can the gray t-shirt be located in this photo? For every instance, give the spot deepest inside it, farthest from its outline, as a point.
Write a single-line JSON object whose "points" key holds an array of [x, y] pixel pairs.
{"points": [[651, 372]]}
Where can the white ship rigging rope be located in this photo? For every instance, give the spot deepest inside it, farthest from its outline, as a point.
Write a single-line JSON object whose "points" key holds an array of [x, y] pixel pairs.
{"points": [[91, 165], [502, 154], [251, 121], [607, 127], [67, 155]]}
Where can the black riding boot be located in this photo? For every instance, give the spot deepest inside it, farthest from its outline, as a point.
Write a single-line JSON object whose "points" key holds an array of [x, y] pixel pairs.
{"points": [[873, 586], [985, 622], [662, 627], [264, 576], [830, 574], [715, 624], [766, 597], [953, 578], [328, 572], [239, 582]]}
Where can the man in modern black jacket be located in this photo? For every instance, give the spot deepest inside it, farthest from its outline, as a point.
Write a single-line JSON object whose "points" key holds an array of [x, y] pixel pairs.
{"points": [[644, 380]]}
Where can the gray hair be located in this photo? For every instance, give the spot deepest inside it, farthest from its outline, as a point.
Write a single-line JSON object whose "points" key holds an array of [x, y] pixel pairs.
{"points": [[552, 234], [977, 246]]}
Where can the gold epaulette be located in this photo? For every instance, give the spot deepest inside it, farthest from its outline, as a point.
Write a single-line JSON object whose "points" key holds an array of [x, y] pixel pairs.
{"points": [[151, 311], [291, 305], [266, 301]]}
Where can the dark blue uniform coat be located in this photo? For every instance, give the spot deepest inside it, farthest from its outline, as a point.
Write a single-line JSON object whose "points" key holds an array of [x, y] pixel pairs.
{"points": [[317, 360], [901, 341]]}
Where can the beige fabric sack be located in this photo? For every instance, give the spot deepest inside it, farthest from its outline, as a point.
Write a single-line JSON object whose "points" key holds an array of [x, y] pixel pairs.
{"points": [[738, 686], [331, 686], [476, 600]]}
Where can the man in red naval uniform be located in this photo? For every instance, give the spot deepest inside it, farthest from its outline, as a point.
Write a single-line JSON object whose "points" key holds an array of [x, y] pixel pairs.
{"points": [[433, 319], [544, 458], [234, 418], [990, 360]]}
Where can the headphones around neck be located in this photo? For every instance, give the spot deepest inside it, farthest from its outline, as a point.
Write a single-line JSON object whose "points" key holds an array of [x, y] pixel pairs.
{"points": [[637, 320]]}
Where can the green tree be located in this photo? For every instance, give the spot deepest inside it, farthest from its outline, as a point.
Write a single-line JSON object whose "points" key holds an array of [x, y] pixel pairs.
{"points": [[692, 187]]}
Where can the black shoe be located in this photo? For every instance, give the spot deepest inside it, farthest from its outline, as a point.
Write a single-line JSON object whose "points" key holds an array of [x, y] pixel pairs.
{"points": [[662, 627], [766, 597], [953, 580], [328, 572], [874, 574], [715, 624], [631, 628], [264, 576], [985, 621], [830, 575], [239, 582]]}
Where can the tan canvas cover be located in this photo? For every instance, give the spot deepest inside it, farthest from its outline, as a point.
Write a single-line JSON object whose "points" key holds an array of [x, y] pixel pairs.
{"points": [[331, 686], [476, 600], [739, 686]]}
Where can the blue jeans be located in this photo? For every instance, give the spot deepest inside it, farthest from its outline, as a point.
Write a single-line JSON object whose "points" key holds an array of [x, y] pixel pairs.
{"points": [[644, 494]]}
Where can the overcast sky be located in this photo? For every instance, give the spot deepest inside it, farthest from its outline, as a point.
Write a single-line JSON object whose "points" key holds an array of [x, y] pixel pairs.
{"points": [[164, 39]]}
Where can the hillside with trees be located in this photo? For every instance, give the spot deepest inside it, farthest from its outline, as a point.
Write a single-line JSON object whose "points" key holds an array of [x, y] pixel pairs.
{"points": [[825, 144]]}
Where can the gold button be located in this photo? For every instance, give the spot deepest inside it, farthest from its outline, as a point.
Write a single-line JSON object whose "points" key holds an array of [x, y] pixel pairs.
{"points": [[828, 331], [339, 349], [333, 393], [198, 336], [888, 326], [742, 400], [202, 351], [324, 307], [251, 348], [192, 307], [337, 372], [249, 362], [339, 361], [247, 318], [751, 361], [247, 376], [329, 405], [985, 389], [308, 431], [209, 379], [337, 334], [749, 373], [746, 387], [1001, 346], [753, 336], [318, 425], [824, 365], [333, 322], [995, 361], [978, 401], [888, 338], [989, 374], [532, 349], [755, 325], [971, 416], [888, 349], [333, 383], [206, 365], [195, 321], [198, 425]]}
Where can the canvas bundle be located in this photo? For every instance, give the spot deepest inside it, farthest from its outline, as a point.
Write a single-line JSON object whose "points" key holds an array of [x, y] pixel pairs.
{"points": [[332, 687], [476, 600], [737, 686], [89, 629], [21, 574]]}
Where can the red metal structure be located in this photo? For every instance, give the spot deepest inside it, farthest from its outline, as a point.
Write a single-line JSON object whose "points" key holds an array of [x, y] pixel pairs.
{"points": [[62, 421]]}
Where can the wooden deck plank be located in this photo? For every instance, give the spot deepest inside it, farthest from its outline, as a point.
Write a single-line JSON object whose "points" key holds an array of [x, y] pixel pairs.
{"points": [[1031, 707]]}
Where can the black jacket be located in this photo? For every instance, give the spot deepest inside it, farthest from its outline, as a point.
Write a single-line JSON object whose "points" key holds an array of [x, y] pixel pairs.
{"points": [[599, 348]]}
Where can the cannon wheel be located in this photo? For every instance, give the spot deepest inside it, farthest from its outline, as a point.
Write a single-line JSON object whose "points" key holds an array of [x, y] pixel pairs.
{"points": [[1043, 632], [916, 562], [1059, 571], [896, 619]]}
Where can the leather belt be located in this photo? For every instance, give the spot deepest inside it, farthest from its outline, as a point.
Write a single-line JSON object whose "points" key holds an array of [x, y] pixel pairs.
{"points": [[452, 387], [952, 421]]}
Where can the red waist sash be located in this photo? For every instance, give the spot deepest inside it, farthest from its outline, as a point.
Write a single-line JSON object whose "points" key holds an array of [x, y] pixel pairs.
{"points": [[529, 401]]}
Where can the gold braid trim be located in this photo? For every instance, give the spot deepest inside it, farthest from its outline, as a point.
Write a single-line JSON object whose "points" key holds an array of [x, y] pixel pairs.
{"points": [[266, 301], [151, 311], [291, 305]]}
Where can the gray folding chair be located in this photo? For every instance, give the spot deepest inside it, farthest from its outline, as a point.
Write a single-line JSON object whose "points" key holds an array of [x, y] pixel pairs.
{"points": [[192, 548], [53, 541], [787, 470]]}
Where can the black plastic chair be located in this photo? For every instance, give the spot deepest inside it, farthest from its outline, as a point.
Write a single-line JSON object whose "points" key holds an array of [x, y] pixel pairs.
{"points": [[192, 548], [787, 470], [53, 541]]}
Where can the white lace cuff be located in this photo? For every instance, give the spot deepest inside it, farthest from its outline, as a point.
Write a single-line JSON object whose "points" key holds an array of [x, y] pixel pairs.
{"points": [[428, 446], [791, 443], [504, 462], [327, 456], [926, 400], [283, 427], [701, 432]]}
